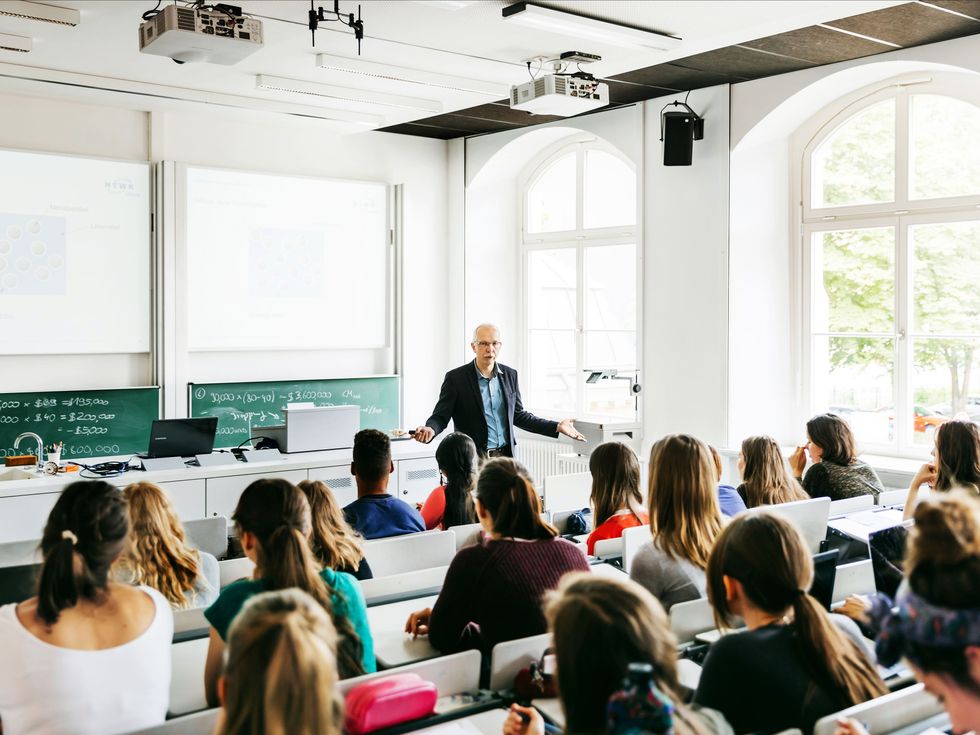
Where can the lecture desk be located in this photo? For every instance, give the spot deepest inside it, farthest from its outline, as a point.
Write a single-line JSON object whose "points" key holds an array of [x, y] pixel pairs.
{"points": [[490, 722], [861, 524], [392, 645]]}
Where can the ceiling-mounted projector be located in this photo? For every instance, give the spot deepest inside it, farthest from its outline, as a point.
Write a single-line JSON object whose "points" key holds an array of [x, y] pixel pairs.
{"points": [[560, 94], [194, 34]]}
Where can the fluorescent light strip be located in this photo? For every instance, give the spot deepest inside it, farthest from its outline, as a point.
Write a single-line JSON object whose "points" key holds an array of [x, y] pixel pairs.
{"points": [[568, 24], [40, 11], [858, 35], [412, 76], [15, 43], [446, 4], [264, 81]]}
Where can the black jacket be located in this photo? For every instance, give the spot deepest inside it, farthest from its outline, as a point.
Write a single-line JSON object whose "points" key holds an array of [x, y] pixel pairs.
{"points": [[460, 401]]}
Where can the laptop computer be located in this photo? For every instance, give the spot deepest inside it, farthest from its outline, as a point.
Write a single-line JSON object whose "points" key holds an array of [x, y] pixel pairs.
{"points": [[824, 576], [182, 437], [887, 547]]}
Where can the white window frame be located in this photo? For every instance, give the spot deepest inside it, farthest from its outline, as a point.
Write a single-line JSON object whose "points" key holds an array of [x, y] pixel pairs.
{"points": [[578, 239], [900, 214]]}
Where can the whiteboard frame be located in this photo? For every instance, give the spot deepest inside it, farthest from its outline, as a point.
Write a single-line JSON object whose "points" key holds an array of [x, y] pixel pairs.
{"points": [[182, 273]]}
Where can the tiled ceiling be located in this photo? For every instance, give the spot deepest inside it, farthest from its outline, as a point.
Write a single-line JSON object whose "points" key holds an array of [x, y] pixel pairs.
{"points": [[867, 34]]}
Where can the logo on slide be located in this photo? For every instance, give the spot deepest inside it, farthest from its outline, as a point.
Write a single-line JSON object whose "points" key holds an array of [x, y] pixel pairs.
{"points": [[32, 255]]}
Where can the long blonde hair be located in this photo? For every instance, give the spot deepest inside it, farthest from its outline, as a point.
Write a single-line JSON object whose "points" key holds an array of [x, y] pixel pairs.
{"points": [[684, 515], [334, 543], [281, 675], [766, 478], [157, 553], [615, 481]]}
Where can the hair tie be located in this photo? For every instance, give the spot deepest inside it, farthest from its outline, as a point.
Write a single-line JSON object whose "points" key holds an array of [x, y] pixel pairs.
{"points": [[66, 534], [801, 593], [633, 711]]}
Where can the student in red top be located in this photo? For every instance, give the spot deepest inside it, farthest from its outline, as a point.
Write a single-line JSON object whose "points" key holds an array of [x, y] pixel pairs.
{"points": [[451, 504], [616, 499]]}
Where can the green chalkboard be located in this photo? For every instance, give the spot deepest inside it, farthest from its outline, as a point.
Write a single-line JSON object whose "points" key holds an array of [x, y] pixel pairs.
{"points": [[240, 406], [91, 423]]}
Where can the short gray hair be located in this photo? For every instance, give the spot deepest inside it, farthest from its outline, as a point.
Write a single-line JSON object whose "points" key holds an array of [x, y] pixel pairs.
{"points": [[486, 325]]}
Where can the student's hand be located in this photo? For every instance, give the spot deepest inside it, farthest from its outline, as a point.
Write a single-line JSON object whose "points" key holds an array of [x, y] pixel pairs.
{"points": [[424, 434], [849, 726], [855, 607], [567, 427], [797, 461], [523, 721], [925, 476], [418, 623]]}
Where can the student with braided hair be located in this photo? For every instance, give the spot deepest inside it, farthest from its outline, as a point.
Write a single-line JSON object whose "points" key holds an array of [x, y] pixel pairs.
{"points": [[493, 591], [86, 656], [273, 519]]}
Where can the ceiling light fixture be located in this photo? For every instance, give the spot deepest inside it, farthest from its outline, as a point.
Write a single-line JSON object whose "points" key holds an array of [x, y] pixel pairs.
{"points": [[15, 43], [579, 27], [412, 76], [297, 86], [40, 11]]}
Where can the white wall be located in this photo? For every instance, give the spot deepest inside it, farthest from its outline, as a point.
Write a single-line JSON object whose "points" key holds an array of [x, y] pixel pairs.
{"points": [[259, 141]]}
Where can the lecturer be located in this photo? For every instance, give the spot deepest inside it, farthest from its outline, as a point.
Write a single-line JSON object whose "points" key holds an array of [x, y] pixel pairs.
{"points": [[484, 401]]}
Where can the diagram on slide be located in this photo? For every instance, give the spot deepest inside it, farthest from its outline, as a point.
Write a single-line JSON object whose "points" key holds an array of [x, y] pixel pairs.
{"points": [[32, 255]]}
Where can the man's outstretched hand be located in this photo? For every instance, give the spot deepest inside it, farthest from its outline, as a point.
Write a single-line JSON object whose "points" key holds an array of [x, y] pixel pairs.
{"points": [[567, 427]]}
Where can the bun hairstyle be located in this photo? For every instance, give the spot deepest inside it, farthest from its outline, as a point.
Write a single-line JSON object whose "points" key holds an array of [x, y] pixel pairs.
{"points": [[943, 563], [834, 436], [458, 458], [85, 533], [766, 478], [505, 489], [958, 454], [278, 514], [768, 556], [281, 673], [615, 480], [334, 543]]}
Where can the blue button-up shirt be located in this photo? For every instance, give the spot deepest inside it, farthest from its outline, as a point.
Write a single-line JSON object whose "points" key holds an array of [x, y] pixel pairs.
{"points": [[494, 408]]}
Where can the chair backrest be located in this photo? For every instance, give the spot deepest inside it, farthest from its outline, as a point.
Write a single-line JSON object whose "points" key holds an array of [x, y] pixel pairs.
{"points": [[209, 534], [887, 713], [810, 516], [231, 570], [406, 586], [509, 657], [567, 492], [190, 621], [893, 497], [467, 534], [187, 676], [687, 619], [17, 553], [608, 548], [634, 539], [455, 674], [199, 723], [855, 578], [18, 583], [410, 552], [860, 502]]}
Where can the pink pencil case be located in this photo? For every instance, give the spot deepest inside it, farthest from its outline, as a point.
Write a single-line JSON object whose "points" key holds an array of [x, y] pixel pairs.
{"points": [[388, 701]]}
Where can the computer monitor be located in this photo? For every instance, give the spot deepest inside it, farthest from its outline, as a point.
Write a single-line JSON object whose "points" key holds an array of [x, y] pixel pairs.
{"points": [[887, 547], [182, 437], [824, 576]]}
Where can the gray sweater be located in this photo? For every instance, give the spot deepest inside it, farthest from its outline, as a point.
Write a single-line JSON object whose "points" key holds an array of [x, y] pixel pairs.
{"points": [[669, 580]]}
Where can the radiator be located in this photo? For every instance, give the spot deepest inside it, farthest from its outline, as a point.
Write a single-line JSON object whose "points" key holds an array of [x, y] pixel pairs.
{"points": [[540, 456]]}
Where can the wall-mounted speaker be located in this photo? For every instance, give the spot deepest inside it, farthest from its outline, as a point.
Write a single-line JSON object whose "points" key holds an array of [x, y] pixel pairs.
{"points": [[679, 130]]}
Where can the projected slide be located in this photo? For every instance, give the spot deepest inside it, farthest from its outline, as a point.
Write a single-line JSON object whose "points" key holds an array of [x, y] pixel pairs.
{"points": [[278, 262], [74, 255]]}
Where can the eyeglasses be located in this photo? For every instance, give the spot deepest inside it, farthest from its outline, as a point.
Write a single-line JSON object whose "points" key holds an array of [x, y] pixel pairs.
{"points": [[495, 345]]}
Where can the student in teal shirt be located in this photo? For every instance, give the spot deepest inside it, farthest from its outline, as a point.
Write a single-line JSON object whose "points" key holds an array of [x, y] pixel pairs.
{"points": [[273, 518]]}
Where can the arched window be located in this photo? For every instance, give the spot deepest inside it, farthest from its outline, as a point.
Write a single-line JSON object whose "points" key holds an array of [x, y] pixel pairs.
{"points": [[891, 241], [581, 269]]}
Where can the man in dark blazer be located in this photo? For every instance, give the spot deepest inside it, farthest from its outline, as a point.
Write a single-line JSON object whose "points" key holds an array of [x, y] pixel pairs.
{"points": [[483, 400]]}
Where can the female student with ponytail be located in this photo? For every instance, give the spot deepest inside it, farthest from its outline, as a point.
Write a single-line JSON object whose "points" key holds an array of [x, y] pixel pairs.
{"points": [[86, 655], [273, 519], [451, 503], [794, 664], [493, 591]]}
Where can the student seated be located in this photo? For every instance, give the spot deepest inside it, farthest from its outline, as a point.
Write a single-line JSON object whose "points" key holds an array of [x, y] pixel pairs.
{"points": [[451, 504], [729, 501], [955, 462], [281, 675], [334, 543], [684, 520], [616, 500], [375, 513], [158, 555], [836, 473], [493, 591], [600, 627], [794, 664], [273, 520], [935, 625], [765, 477], [86, 656]]}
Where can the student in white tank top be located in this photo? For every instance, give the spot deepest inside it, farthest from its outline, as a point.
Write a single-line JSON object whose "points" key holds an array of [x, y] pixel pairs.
{"points": [[85, 656]]}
